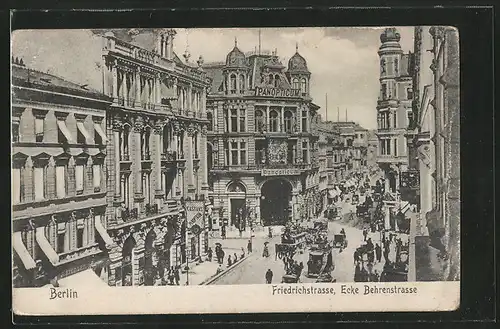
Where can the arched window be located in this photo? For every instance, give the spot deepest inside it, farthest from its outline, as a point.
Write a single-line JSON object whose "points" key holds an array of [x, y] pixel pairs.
{"points": [[236, 187], [210, 126], [273, 121], [232, 85], [303, 86], [296, 83], [271, 79], [259, 121], [242, 83], [234, 121], [276, 81], [288, 121], [145, 136]]}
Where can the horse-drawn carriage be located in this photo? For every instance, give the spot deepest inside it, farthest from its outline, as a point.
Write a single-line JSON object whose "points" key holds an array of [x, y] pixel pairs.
{"points": [[290, 278], [290, 244], [339, 241], [320, 261], [331, 213]]}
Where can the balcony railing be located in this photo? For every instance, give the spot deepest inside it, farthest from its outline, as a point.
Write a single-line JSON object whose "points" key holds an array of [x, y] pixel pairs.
{"points": [[169, 156], [151, 209]]}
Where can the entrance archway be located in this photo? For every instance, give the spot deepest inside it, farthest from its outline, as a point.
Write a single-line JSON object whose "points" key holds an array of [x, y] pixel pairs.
{"points": [[276, 195], [127, 261], [149, 255]]}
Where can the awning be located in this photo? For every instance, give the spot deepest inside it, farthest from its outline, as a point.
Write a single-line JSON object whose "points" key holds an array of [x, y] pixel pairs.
{"points": [[22, 252], [101, 133], [85, 133], [46, 247], [104, 234], [84, 278], [62, 125]]}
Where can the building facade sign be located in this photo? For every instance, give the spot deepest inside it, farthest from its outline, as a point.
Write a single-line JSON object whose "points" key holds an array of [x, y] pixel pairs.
{"points": [[276, 92], [195, 215], [280, 172]]}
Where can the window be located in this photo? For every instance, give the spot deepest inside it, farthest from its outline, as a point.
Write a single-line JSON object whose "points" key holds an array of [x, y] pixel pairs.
{"points": [[276, 81], [39, 129], [61, 241], [288, 121], [409, 93], [271, 79], [242, 83], [17, 185], [145, 137], [304, 121], [396, 66], [39, 174], [15, 132], [296, 84], [259, 121], [195, 146], [226, 120], [273, 121], [125, 188], [96, 175], [303, 86], [79, 178], [234, 153], [146, 186], [60, 181], [124, 143], [210, 126], [305, 153], [234, 121], [63, 134], [395, 119], [396, 147], [61, 237], [410, 118], [226, 149], [243, 153], [80, 231], [384, 91], [232, 85], [242, 120]]}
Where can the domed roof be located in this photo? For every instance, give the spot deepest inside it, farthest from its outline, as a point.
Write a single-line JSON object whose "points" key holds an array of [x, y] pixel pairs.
{"points": [[236, 58], [390, 35], [297, 63]]}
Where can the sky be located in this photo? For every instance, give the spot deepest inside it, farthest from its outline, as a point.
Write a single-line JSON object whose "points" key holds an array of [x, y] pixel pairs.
{"points": [[343, 61]]}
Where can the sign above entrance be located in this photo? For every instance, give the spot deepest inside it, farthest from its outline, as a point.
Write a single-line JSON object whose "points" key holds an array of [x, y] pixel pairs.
{"points": [[276, 92], [195, 216], [280, 172]]}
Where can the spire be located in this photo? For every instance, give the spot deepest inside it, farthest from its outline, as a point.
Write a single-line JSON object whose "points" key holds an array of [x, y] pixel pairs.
{"points": [[346, 114], [296, 47], [235, 42]]}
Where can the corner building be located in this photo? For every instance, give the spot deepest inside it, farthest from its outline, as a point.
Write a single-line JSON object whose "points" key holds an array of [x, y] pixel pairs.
{"points": [[58, 181], [394, 108], [156, 158], [262, 147]]}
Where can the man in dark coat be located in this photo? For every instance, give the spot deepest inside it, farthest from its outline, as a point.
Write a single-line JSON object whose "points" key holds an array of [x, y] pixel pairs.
{"points": [[177, 275], [249, 246], [269, 276], [378, 252]]}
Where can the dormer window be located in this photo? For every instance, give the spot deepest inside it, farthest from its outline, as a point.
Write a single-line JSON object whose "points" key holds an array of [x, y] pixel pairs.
{"points": [[276, 81], [296, 84], [242, 83], [303, 86]]}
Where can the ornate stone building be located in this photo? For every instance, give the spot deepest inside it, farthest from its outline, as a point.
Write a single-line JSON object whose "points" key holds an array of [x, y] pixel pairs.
{"points": [[262, 146], [435, 154], [394, 111], [156, 158], [58, 180]]}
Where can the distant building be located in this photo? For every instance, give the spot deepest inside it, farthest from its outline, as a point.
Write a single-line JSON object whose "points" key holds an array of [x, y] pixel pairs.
{"points": [[156, 158], [372, 151], [394, 109], [58, 180], [261, 140]]}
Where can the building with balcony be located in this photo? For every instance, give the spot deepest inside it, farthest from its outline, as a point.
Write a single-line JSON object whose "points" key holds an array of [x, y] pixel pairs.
{"points": [[262, 147], [156, 156], [394, 109], [434, 155], [58, 180]]}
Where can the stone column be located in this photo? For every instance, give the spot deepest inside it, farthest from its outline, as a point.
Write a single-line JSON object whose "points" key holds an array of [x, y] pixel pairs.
{"points": [[203, 157], [138, 163], [267, 118], [116, 137], [125, 88], [115, 81], [190, 98], [189, 167], [159, 191], [282, 124], [138, 97]]}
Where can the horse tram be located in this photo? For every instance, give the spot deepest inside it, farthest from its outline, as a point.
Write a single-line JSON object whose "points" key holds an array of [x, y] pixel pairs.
{"points": [[339, 241], [290, 244]]}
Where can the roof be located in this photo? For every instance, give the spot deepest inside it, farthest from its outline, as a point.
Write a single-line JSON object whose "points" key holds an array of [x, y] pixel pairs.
{"points": [[214, 72], [25, 77]]}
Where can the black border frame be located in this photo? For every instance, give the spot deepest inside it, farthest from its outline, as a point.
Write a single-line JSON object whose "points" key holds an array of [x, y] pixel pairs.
{"points": [[476, 31]]}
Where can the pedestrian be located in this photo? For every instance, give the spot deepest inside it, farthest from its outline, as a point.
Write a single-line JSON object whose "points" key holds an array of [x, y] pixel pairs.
{"points": [[249, 246], [235, 258], [269, 276], [285, 264], [229, 261], [171, 276], [223, 232], [365, 233], [378, 252], [177, 275], [219, 269], [242, 253], [356, 256], [209, 254]]}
